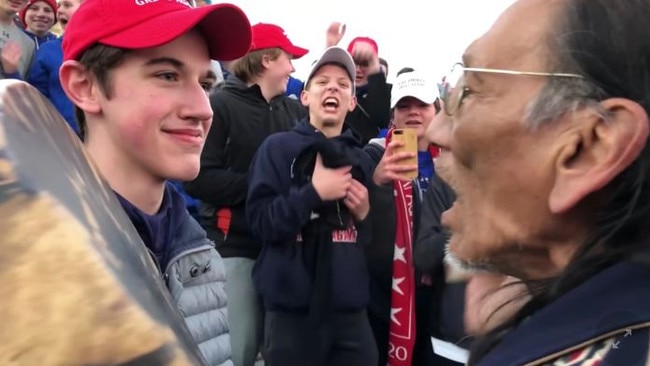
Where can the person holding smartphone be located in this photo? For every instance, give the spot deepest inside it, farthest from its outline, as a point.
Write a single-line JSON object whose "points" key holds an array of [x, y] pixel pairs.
{"points": [[398, 293]]}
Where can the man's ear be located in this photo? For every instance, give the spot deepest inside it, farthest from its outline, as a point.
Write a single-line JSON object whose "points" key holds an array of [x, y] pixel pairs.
{"points": [[79, 85], [304, 97], [597, 150], [353, 103]]}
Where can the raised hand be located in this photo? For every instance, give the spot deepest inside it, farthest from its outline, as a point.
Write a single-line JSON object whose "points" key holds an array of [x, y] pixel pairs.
{"points": [[10, 56], [334, 34]]}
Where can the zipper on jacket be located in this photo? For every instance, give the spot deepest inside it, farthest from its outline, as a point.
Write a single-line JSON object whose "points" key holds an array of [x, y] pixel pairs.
{"points": [[187, 252], [155, 261], [587, 343], [338, 213]]}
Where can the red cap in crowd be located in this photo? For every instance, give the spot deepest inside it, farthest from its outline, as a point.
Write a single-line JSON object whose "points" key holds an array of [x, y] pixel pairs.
{"points": [[137, 24], [272, 36], [363, 39], [23, 11]]}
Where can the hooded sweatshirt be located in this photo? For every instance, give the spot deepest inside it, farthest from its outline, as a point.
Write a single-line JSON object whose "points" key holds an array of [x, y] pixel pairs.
{"points": [[279, 208], [38, 41]]}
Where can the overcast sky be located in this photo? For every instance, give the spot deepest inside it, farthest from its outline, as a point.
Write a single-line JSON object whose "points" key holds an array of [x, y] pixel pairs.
{"points": [[426, 35]]}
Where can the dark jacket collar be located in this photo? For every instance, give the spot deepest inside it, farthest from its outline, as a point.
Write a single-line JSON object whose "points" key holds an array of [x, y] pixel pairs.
{"points": [[614, 299], [251, 93]]}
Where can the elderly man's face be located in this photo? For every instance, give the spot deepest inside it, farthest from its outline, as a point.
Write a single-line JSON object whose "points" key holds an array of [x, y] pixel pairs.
{"points": [[500, 168]]}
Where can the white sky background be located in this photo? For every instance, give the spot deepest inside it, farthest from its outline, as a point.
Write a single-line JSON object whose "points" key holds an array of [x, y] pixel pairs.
{"points": [[407, 33]]}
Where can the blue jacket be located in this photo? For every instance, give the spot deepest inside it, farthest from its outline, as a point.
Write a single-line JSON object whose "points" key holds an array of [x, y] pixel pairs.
{"points": [[294, 88], [44, 76], [191, 203], [278, 209], [605, 318]]}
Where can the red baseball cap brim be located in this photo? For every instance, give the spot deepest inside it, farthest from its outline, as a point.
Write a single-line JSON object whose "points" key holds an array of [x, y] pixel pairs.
{"points": [[225, 27], [295, 51]]}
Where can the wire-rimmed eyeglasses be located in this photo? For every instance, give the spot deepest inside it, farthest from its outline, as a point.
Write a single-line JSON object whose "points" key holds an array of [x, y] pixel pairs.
{"points": [[453, 89]]}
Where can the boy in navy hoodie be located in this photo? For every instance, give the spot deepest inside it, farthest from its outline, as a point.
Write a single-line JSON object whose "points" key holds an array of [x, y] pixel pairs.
{"points": [[142, 101], [306, 201]]}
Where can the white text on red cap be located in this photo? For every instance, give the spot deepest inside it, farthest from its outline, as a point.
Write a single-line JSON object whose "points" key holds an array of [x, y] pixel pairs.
{"points": [[147, 2]]}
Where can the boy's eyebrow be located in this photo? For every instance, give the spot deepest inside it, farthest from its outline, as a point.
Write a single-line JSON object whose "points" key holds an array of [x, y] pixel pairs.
{"points": [[165, 60], [177, 64]]}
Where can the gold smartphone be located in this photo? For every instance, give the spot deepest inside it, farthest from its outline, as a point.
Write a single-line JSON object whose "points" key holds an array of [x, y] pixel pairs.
{"points": [[409, 138]]}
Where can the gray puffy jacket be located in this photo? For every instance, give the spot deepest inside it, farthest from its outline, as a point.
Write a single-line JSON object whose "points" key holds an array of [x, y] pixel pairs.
{"points": [[196, 278]]}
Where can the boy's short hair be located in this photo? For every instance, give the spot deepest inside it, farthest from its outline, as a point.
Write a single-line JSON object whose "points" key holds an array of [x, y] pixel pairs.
{"points": [[100, 60], [249, 66], [384, 63]]}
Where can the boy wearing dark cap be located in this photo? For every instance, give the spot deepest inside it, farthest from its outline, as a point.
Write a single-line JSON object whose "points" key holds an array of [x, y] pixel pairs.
{"points": [[139, 76]]}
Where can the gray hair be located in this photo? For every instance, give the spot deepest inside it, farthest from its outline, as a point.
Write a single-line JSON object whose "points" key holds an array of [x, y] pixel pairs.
{"points": [[562, 95]]}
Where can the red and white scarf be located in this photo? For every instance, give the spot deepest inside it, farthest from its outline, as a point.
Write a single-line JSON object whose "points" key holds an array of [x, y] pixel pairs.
{"points": [[401, 338]]}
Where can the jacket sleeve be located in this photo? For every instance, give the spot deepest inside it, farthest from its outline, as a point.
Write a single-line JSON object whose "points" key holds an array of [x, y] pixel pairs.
{"points": [[216, 183], [276, 209], [39, 74], [378, 100], [430, 244]]}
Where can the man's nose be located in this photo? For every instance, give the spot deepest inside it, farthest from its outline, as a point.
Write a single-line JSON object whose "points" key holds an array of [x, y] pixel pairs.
{"points": [[439, 129]]}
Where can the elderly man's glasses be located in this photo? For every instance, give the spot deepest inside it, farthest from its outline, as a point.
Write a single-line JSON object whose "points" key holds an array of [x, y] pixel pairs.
{"points": [[453, 89]]}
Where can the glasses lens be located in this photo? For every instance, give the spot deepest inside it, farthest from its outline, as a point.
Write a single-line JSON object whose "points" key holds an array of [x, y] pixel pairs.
{"points": [[362, 63], [451, 87]]}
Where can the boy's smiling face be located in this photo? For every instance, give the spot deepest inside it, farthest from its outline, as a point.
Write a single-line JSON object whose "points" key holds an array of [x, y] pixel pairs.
{"points": [[158, 113]]}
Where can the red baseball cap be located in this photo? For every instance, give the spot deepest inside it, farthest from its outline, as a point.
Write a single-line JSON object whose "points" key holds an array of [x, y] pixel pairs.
{"points": [[137, 24], [272, 36], [23, 11], [363, 39]]}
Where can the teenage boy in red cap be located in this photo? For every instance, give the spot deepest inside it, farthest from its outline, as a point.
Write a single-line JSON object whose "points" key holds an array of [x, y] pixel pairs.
{"points": [[38, 17], [372, 113], [139, 76], [250, 107]]}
